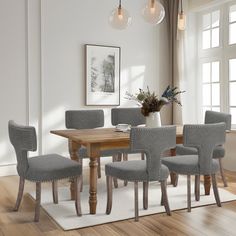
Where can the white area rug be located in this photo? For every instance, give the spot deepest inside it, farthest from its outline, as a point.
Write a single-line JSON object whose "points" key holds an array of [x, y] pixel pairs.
{"points": [[123, 203]]}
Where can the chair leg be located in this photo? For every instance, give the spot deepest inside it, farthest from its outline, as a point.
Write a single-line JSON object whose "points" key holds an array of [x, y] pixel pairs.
{"points": [[20, 193], [197, 187], [136, 200], [164, 197], [78, 182], [145, 195], [99, 167], [189, 192], [215, 189], [174, 179], [114, 159], [38, 201], [109, 194], [55, 191], [222, 173], [142, 156], [125, 158]]}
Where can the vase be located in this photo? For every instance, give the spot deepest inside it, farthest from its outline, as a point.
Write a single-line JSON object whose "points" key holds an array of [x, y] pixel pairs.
{"points": [[153, 120]]}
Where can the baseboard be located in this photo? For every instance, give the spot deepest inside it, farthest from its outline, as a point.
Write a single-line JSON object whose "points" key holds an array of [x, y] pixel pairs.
{"points": [[6, 170]]}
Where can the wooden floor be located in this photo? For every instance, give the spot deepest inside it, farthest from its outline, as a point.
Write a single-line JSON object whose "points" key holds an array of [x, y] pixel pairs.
{"points": [[210, 220]]}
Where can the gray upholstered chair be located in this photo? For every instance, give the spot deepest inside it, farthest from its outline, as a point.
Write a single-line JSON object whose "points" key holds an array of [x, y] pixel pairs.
{"points": [[205, 138], [42, 168], [219, 151], [88, 119], [131, 116], [151, 141]]}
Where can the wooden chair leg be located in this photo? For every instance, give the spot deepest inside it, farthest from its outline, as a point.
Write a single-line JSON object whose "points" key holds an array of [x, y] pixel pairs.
{"points": [[114, 159], [189, 192], [78, 182], [55, 191], [20, 193], [142, 156], [136, 200], [145, 195], [125, 158], [222, 173], [197, 187], [38, 201], [109, 194], [164, 197], [215, 189], [174, 179], [99, 167]]}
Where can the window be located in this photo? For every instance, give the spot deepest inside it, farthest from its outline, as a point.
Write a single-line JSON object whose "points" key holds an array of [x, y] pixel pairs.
{"points": [[232, 89], [211, 86], [210, 30], [217, 60], [232, 24]]}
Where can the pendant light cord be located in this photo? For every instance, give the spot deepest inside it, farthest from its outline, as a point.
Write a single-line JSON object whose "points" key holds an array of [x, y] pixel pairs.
{"points": [[181, 6]]}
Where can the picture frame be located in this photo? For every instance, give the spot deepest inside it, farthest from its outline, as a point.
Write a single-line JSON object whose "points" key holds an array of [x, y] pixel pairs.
{"points": [[102, 75]]}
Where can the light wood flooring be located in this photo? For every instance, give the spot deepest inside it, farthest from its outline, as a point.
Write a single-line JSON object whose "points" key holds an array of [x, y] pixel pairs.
{"points": [[210, 220]]}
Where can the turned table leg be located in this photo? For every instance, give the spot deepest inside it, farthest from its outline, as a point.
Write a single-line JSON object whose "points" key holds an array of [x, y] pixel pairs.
{"points": [[73, 150], [173, 176], [94, 153]]}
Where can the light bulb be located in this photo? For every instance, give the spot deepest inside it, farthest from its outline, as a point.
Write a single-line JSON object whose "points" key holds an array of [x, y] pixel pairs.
{"points": [[153, 12], [181, 21], [119, 18]]}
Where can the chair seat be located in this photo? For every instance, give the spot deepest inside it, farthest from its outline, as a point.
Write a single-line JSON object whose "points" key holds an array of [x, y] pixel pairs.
{"points": [[133, 171], [187, 164], [218, 152], [51, 167]]}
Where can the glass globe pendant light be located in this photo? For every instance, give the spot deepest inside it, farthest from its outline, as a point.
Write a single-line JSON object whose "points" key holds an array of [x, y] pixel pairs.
{"points": [[153, 12], [119, 18]]}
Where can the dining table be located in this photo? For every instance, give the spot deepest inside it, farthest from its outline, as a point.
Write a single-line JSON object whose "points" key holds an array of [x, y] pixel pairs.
{"points": [[97, 140]]}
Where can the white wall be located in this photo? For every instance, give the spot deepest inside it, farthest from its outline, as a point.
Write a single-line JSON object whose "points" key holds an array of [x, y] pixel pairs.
{"points": [[42, 62]]}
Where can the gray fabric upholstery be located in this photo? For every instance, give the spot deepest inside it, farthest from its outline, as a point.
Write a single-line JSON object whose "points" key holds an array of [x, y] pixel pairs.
{"points": [[84, 119], [151, 141], [218, 152], [133, 170], [211, 117], [51, 167], [23, 140], [205, 138], [187, 165], [217, 117], [39, 168], [125, 115]]}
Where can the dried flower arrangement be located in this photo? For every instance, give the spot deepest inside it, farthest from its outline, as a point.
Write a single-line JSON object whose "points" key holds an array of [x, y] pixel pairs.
{"points": [[151, 103]]}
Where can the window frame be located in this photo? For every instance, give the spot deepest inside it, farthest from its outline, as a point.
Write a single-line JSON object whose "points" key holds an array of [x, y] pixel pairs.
{"points": [[223, 54]]}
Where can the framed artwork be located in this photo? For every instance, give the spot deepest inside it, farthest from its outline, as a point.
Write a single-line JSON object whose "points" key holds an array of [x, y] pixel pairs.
{"points": [[102, 75]]}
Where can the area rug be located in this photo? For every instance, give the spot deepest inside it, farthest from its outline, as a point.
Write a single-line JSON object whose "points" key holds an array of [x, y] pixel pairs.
{"points": [[123, 203]]}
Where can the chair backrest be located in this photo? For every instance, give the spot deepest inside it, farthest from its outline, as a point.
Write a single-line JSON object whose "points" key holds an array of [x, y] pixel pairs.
{"points": [[23, 139], [127, 115], [205, 138], [84, 119], [153, 141], [217, 117]]}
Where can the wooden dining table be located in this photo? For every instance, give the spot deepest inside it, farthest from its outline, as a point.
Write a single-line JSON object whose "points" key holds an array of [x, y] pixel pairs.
{"points": [[97, 140]]}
